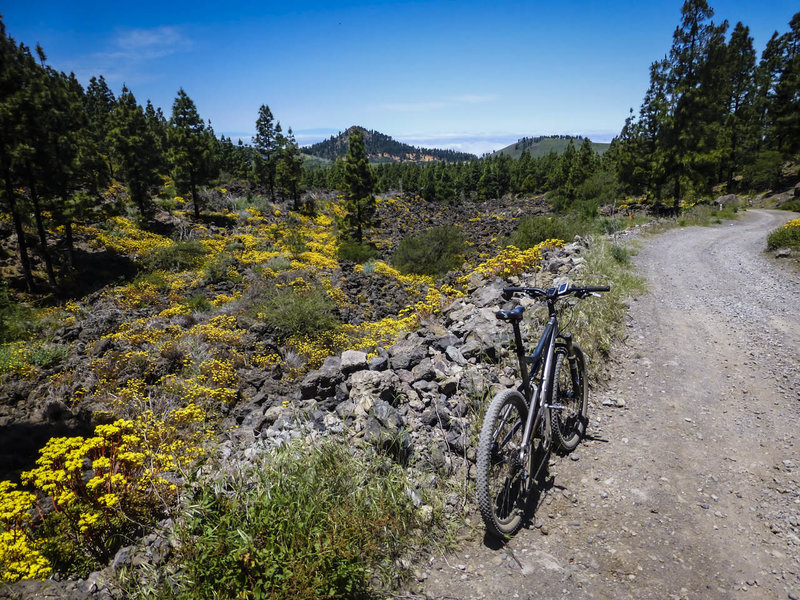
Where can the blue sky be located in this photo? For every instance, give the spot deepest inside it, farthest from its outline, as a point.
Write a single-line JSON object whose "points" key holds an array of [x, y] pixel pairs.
{"points": [[467, 75]]}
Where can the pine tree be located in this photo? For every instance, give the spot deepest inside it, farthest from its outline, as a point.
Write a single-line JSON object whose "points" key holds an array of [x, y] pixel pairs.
{"points": [[136, 150], [189, 149], [267, 144], [786, 106], [740, 125], [98, 103], [359, 184], [14, 72], [289, 171]]}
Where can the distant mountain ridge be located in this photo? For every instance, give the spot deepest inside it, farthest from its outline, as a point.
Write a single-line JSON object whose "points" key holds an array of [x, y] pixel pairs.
{"points": [[542, 145], [382, 148]]}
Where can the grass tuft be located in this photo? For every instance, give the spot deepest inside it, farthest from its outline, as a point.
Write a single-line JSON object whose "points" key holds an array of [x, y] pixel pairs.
{"points": [[597, 323], [302, 523]]}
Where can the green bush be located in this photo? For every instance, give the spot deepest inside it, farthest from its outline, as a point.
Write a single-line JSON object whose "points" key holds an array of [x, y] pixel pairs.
{"points": [[352, 251], [279, 263], [620, 254], [158, 279], [218, 267], [434, 251], [533, 230], [49, 355], [177, 257], [305, 523], [792, 205], [16, 319], [785, 237], [198, 303], [298, 312]]}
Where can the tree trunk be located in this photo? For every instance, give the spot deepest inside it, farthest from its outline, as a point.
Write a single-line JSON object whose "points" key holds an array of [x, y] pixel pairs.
{"points": [[68, 232], [195, 201], [37, 213], [70, 244], [24, 259]]}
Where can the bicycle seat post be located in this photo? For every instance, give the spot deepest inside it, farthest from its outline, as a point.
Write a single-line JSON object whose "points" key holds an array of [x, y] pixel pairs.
{"points": [[522, 358]]}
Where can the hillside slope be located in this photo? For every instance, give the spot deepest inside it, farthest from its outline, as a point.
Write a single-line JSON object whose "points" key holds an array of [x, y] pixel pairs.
{"points": [[383, 148], [542, 145]]}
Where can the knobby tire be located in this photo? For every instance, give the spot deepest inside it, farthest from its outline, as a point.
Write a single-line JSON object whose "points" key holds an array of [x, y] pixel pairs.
{"points": [[502, 481], [571, 391]]}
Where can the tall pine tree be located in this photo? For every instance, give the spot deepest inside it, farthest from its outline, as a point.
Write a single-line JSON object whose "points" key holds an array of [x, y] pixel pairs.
{"points": [[189, 149], [136, 150], [359, 181]]}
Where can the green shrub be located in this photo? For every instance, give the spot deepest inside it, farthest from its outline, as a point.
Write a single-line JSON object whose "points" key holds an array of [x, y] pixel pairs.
{"points": [[434, 251], [620, 254], [177, 257], [279, 263], [304, 523], [158, 279], [352, 251], [198, 303], [787, 236], [16, 319], [532, 230], [298, 312], [48, 355], [369, 267], [218, 267], [792, 205]]}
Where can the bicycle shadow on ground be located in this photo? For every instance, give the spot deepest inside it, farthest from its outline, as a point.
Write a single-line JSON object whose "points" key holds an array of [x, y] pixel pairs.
{"points": [[542, 485]]}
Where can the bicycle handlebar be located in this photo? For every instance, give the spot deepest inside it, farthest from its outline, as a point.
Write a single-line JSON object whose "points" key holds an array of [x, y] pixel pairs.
{"points": [[553, 293]]}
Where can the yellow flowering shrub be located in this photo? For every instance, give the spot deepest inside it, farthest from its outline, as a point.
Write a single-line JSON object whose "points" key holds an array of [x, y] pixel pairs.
{"points": [[20, 556], [124, 236], [101, 488], [17, 361], [512, 261], [786, 236]]}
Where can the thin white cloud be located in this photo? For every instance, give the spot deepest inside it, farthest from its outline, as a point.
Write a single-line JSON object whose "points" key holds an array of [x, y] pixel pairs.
{"points": [[148, 44], [127, 55]]}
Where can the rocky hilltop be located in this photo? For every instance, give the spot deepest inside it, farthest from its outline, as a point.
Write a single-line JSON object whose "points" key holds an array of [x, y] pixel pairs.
{"points": [[383, 148]]}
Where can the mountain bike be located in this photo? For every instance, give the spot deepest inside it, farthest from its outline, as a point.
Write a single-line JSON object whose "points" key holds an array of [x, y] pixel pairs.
{"points": [[521, 425]]}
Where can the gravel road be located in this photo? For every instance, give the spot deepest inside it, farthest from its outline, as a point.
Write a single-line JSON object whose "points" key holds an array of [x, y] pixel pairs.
{"points": [[688, 485]]}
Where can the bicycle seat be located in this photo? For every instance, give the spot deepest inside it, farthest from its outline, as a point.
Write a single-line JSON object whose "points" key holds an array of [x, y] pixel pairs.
{"points": [[510, 316]]}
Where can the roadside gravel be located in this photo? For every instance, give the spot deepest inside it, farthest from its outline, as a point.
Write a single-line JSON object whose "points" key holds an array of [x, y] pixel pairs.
{"points": [[688, 484]]}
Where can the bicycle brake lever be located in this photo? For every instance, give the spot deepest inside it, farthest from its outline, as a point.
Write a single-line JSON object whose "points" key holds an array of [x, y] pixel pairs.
{"points": [[595, 294]]}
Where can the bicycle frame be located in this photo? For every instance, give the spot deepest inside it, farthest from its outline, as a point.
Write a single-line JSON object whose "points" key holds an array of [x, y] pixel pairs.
{"points": [[543, 358]]}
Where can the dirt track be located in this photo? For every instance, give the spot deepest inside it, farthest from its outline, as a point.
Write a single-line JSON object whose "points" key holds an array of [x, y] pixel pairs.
{"points": [[688, 485]]}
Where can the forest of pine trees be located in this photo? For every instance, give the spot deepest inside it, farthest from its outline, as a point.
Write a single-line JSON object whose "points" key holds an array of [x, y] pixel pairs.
{"points": [[63, 147], [715, 118]]}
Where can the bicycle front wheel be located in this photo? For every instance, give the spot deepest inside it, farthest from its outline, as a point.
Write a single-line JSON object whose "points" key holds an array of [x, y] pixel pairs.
{"points": [[501, 476], [570, 397]]}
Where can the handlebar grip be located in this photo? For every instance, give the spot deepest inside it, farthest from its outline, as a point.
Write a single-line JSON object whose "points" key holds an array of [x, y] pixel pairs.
{"points": [[597, 288]]}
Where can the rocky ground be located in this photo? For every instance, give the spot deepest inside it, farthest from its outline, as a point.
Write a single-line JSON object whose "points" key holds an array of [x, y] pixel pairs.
{"points": [[710, 362], [688, 484]]}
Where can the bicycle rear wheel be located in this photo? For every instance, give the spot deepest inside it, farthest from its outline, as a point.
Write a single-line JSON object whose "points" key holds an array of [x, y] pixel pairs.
{"points": [[502, 479], [571, 394]]}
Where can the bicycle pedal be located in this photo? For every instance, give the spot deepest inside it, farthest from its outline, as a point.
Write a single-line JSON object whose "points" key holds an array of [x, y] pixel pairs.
{"points": [[557, 407]]}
